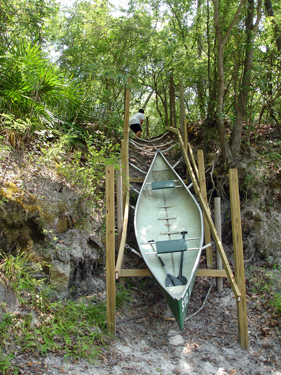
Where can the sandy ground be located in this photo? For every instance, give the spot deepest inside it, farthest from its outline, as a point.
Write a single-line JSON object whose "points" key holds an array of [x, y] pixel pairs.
{"points": [[149, 342]]}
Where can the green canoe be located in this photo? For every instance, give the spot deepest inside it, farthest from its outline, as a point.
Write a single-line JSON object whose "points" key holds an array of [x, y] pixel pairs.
{"points": [[169, 230]]}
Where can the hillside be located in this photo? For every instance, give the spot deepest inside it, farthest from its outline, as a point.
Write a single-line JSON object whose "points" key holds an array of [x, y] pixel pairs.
{"points": [[51, 219]]}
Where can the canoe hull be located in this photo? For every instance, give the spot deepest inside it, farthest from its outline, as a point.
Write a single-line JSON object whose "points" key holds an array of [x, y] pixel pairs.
{"points": [[164, 210]]}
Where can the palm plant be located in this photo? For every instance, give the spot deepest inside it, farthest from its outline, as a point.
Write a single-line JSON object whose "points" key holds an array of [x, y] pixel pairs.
{"points": [[33, 88]]}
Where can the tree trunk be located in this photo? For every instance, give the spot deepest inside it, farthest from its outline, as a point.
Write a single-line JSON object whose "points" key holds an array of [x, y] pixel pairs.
{"points": [[219, 114], [226, 155], [276, 29], [240, 110]]}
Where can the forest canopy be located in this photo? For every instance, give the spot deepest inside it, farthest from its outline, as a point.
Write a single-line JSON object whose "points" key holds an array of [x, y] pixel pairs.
{"points": [[65, 67]]}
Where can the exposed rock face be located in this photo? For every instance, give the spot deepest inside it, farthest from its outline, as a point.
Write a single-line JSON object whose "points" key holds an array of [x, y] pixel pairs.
{"points": [[50, 220], [261, 233]]}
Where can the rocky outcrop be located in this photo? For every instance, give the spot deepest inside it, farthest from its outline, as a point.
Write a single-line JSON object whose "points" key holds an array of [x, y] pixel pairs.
{"points": [[52, 221]]}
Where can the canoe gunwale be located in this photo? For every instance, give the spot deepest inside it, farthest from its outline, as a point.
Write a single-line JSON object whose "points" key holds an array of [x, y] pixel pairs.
{"points": [[143, 244]]}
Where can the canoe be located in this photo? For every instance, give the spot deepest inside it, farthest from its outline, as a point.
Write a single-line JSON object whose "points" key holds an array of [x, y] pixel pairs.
{"points": [[168, 225]]}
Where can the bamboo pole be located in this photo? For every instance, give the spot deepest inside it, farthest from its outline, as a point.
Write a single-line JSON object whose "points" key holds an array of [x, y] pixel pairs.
{"points": [[147, 127], [193, 162], [110, 250], [238, 257], [202, 184], [123, 238], [207, 212], [217, 203]]}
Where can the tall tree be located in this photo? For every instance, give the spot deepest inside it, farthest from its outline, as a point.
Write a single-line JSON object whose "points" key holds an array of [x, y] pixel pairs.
{"points": [[221, 41], [251, 30]]}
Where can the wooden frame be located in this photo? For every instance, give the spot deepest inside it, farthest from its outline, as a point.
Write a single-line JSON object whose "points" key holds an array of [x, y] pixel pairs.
{"points": [[237, 283]]}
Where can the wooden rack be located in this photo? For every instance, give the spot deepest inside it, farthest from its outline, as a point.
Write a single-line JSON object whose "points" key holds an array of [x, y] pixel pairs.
{"points": [[116, 271]]}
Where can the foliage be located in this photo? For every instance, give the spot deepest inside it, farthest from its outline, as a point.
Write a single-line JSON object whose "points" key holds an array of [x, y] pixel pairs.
{"points": [[72, 329], [83, 167], [34, 90], [265, 288], [123, 296]]}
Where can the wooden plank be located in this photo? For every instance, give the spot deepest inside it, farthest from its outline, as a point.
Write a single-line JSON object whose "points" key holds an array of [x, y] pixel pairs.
{"points": [[203, 188], [136, 179], [134, 272], [217, 204], [146, 272], [206, 210], [110, 250], [238, 257], [202, 272]]}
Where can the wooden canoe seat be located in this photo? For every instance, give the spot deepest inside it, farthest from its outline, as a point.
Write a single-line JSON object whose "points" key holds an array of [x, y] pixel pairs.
{"points": [[171, 246], [162, 184]]}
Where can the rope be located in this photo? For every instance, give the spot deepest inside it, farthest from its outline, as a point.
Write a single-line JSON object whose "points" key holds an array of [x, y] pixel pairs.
{"points": [[151, 152], [154, 139], [131, 164], [152, 146], [133, 250], [135, 190], [196, 312], [174, 166]]}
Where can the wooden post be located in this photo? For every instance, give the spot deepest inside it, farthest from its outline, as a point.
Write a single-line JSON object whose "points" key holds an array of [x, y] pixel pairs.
{"points": [[202, 184], [185, 135], [110, 250], [124, 156], [127, 112], [125, 151], [147, 127], [238, 257], [173, 121], [217, 203], [166, 108], [182, 111], [119, 201]]}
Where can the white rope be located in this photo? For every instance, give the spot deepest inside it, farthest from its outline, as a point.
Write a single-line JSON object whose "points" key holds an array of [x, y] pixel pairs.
{"points": [[133, 250], [152, 152], [140, 170], [174, 166], [154, 139], [196, 312], [191, 316], [135, 190]]}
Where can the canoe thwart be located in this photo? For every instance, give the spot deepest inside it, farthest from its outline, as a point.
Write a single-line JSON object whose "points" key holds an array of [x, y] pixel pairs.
{"points": [[162, 184], [167, 184], [170, 246]]}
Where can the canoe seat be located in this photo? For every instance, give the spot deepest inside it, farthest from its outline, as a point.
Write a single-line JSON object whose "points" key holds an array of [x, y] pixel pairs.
{"points": [[162, 184], [171, 246]]}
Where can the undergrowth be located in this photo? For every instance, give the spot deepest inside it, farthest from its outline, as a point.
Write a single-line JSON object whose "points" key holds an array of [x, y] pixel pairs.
{"points": [[69, 328], [265, 289]]}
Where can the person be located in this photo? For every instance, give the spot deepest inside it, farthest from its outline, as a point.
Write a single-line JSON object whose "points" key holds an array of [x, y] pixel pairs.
{"points": [[135, 122]]}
